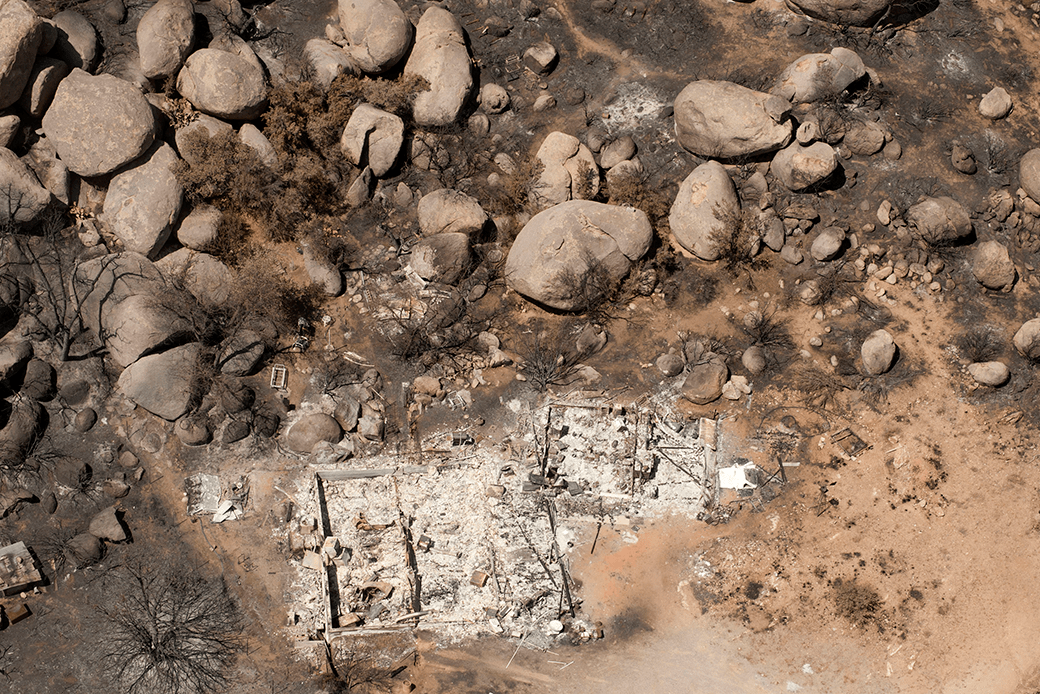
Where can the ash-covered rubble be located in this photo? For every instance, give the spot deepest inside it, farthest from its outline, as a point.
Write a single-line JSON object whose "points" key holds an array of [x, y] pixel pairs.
{"points": [[475, 539]]}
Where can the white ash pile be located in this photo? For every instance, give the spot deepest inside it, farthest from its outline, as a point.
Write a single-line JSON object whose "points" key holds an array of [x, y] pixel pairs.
{"points": [[621, 459], [473, 541]]}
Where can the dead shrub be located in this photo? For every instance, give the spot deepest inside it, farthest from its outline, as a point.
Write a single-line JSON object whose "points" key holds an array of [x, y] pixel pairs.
{"points": [[820, 389], [549, 355], [766, 329], [856, 602], [171, 631], [738, 242], [981, 343], [226, 172], [634, 192], [515, 192]]}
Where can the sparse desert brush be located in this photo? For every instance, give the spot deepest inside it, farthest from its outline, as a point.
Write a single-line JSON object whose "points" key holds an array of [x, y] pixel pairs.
{"points": [[260, 290], [549, 355], [820, 389]]}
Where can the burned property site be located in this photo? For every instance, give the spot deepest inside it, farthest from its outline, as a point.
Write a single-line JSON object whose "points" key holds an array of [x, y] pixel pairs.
{"points": [[519, 346]]}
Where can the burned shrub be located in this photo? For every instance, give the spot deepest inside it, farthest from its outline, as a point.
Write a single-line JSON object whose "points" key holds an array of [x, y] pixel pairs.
{"points": [[856, 602], [981, 343]]}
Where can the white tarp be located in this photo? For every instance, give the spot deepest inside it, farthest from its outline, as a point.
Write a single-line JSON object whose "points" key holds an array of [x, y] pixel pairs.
{"points": [[737, 477]]}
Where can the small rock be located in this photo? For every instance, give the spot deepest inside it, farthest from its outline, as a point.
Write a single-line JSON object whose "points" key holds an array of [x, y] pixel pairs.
{"points": [[878, 352], [791, 254], [49, 502], [996, 104], [192, 431], [494, 98], [828, 243], [541, 58], [116, 489], [963, 159], [84, 420], [754, 359], [670, 364]]}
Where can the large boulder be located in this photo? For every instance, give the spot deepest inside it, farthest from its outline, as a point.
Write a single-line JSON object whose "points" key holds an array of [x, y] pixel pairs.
{"points": [[77, 42], [251, 136], [374, 138], [202, 127], [940, 221], [241, 353], [878, 352], [50, 171], [22, 198], [25, 425], [19, 41], [14, 357], [996, 104], [165, 383], [141, 324], [222, 84], [706, 208], [864, 138], [442, 257], [860, 13], [377, 31], [1029, 173], [441, 57], [43, 81], [818, 76], [125, 301], [165, 37], [704, 382], [801, 168], [576, 247], [1027, 339], [204, 276], [39, 381], [99, 284], [143, 202], [328, 61], [98, 124], [84, 550], [569, 171], [447, 211], [992, 265], [311, 430], [726, 121], [105, 525]]}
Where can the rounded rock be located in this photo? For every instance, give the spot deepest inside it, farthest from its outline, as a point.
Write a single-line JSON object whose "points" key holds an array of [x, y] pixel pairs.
{"points": [[990, 373], [878, 352], [98, 124], [223, 85]]}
